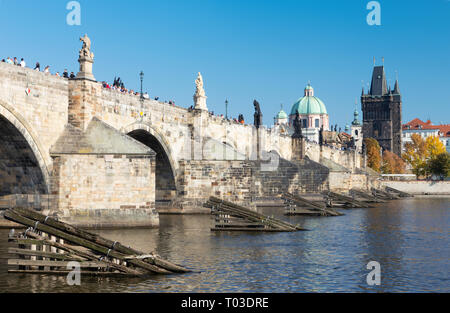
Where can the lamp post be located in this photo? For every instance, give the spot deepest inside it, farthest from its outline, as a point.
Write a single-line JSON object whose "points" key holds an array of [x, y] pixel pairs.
{"points": [[141, 75], [226, 109]]}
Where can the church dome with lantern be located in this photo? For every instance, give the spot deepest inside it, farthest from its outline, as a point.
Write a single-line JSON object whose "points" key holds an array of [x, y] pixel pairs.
{"points": [[313, 112], [281, 117]]}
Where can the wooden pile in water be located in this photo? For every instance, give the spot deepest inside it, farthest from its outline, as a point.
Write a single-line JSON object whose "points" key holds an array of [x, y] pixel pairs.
{"points": [[48, 245], [231, 217], [336, 199], [296, 205]]}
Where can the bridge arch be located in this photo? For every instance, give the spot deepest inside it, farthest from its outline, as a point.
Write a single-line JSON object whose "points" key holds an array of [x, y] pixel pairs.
{"points": [[23, 165], [166, 167]]}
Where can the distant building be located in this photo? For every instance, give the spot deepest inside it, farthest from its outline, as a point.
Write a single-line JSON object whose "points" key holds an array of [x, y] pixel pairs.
{"points": [[382, 112], [426, 129], [313, 114]]}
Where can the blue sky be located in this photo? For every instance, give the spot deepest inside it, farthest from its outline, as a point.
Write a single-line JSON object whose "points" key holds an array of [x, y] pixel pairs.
{"points": [[247, 49]]}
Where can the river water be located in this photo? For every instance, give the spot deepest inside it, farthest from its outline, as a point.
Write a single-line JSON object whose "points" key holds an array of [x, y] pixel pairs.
{"points": [[409, 238]]}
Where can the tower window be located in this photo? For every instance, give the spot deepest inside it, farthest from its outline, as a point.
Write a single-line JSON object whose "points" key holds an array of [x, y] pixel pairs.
{"points": [[316, 123]]}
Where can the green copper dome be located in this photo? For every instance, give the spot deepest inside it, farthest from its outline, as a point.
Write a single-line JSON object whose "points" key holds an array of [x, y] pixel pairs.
{"points": [[282, 115], [309, 104]]}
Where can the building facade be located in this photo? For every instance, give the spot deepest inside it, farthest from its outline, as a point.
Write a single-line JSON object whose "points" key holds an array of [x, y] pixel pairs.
{"points": [[382, 112], [426, 129]]}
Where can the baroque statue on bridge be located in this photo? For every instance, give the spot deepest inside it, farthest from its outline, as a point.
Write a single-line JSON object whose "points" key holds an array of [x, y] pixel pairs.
{"points": [[321, 141], [258, 114], [86, 49], [86, 60], [297, 127], [200, 95], [200, 91]]}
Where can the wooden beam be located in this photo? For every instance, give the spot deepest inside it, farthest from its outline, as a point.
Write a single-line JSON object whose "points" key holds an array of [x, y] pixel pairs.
{"points": [[65, 273], [45, 254], [84, 264]]}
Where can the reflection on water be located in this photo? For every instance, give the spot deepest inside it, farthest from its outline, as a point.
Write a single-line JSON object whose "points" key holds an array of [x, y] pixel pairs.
{"points": [[409, 238]]}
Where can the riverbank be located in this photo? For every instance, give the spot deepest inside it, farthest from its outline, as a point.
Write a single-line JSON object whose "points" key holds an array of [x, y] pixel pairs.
{"points": [[417, 188]]}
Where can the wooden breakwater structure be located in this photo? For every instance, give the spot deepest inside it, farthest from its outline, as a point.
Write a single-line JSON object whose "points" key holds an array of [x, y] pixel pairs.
{"points": [[401, 194], [384, 194], [48, 245], [344, 201], [231, 217], [297, 205], [365, 196]]}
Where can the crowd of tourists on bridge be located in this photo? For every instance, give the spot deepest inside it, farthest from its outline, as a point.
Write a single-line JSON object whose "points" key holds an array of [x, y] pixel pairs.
{"points": [[119, 86], [37, 67], [239, 120]]}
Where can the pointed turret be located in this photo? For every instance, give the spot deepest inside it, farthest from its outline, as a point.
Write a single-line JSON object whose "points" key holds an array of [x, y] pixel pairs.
{"points": [[396, 88]]}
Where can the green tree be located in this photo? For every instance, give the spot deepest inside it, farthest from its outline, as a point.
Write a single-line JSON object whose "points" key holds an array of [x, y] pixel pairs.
{"points": [[440, 165]]}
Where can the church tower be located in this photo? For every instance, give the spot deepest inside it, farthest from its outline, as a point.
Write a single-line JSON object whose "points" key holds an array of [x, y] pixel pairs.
{"points": [[356, 131], [382, 112]]}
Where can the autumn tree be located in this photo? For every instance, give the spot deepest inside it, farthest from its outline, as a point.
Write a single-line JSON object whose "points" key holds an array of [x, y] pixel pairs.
{"points": [[419, 153], [434, 147], [416, 154], [392, 163], [373, 154]]}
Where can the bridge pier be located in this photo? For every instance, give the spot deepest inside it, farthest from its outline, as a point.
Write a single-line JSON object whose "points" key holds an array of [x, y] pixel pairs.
{"points": [[102, 178]]}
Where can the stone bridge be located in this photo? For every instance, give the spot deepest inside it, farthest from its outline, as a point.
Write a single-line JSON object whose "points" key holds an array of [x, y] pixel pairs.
{"points": [[103, 158]]}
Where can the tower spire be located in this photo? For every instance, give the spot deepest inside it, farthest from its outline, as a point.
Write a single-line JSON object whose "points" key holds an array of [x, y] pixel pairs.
{"points": [[396, 88]]}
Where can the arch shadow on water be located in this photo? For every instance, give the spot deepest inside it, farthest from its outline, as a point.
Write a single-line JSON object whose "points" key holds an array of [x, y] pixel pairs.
{"points": [[22, 166], [165, 171]]}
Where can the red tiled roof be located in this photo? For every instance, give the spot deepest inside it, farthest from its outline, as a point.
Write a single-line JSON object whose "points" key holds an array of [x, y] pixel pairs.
{"points": [[415, 123]]}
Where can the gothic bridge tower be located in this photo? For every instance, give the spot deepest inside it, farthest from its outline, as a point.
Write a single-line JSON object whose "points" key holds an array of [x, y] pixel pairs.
{"points": [[382, 112]]}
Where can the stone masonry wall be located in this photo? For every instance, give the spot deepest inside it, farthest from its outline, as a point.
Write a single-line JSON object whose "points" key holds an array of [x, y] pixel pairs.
{"points": [[342, 182], [245, 181], [348, 159], [119, 188]]}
